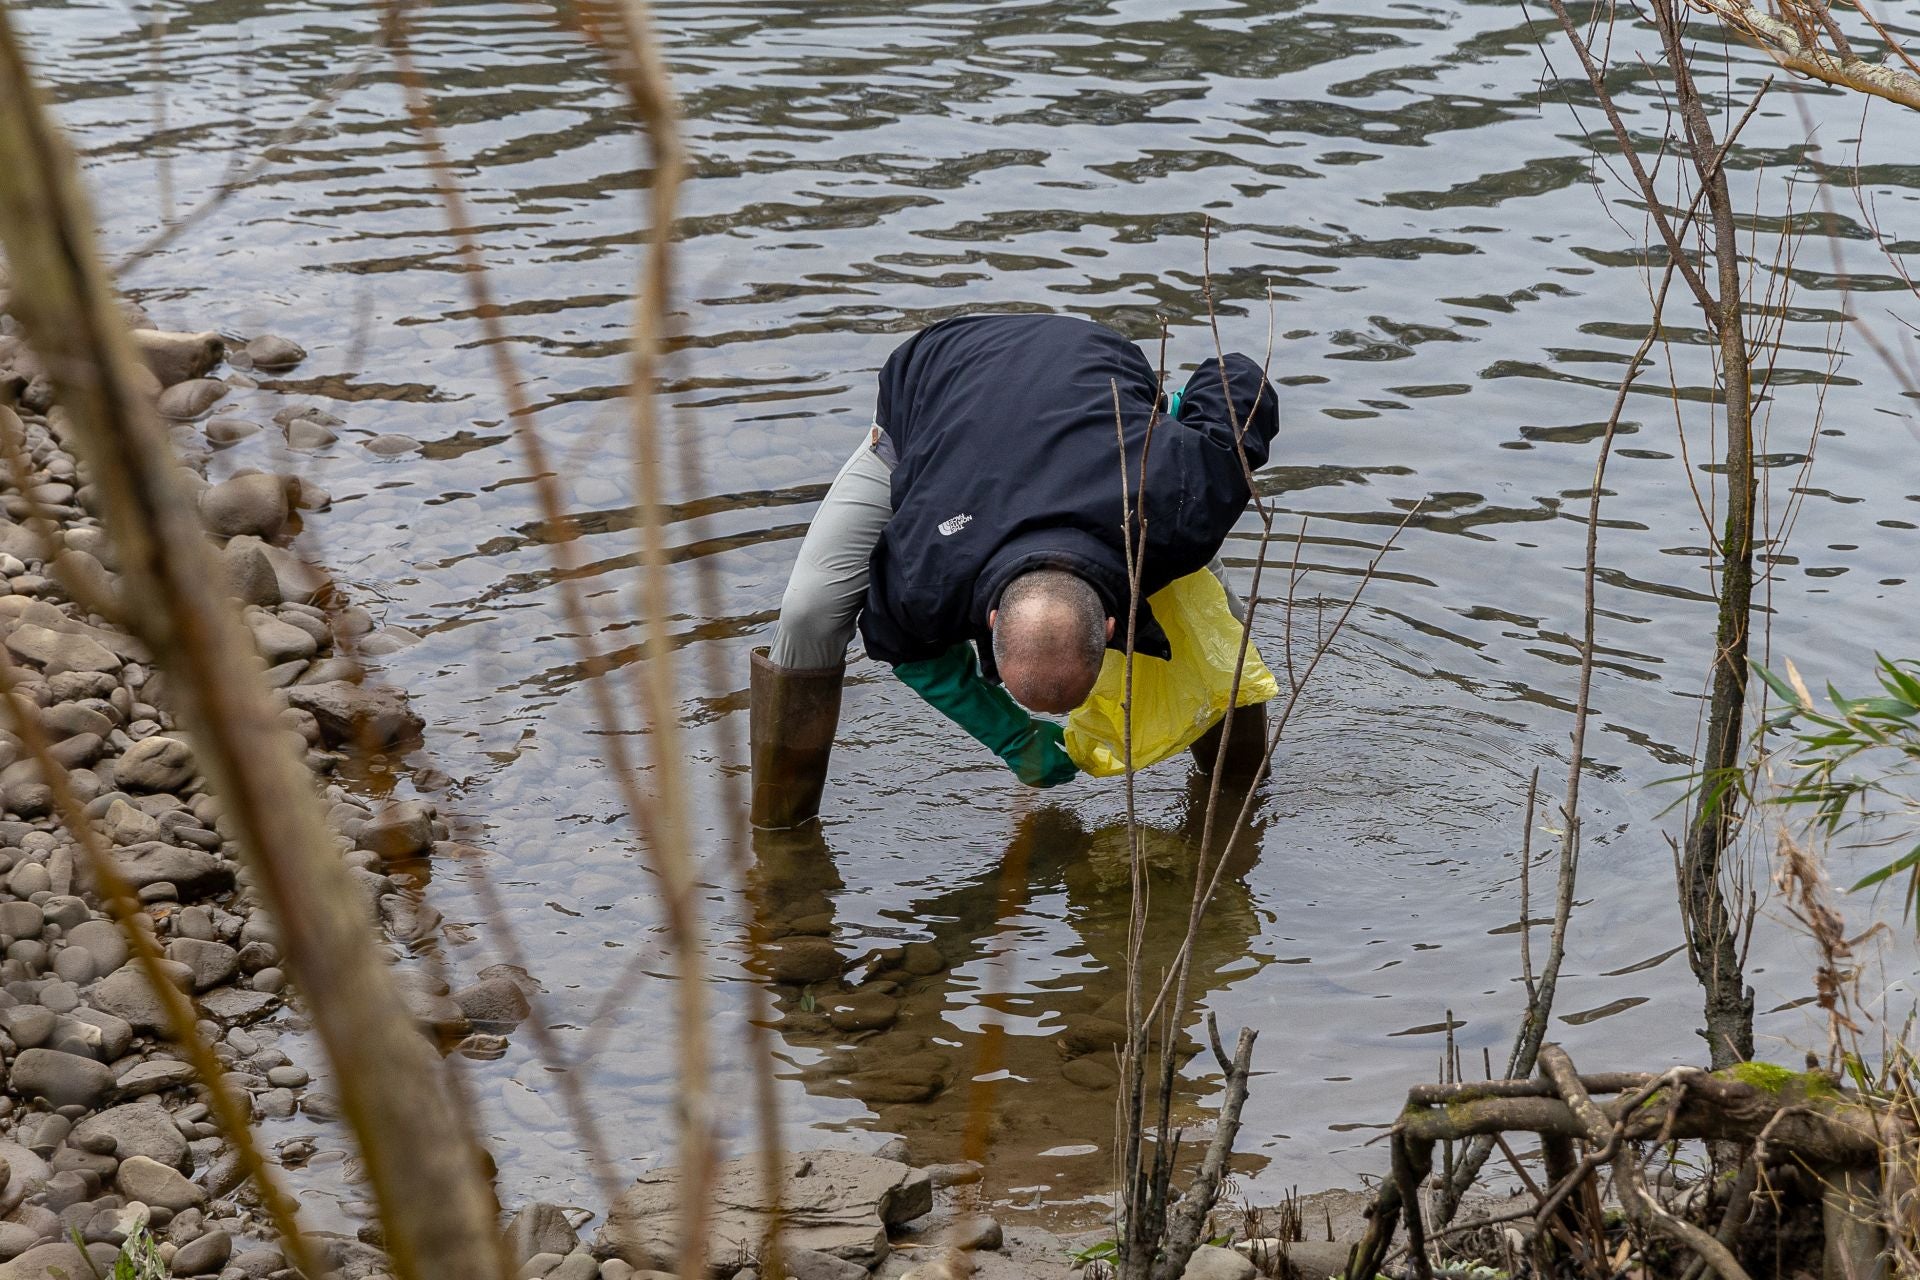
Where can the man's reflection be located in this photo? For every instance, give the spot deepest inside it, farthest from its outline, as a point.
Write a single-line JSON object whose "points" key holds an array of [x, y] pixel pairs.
{"points": [[952, 1043]]}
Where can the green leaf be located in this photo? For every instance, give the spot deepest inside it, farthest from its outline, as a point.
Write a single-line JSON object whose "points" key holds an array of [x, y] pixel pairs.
{"points": [[1905, 862], [1780, 687]]}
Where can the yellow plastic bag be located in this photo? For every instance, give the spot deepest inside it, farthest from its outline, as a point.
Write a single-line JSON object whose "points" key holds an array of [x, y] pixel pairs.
{"points": [[1173, 702]]}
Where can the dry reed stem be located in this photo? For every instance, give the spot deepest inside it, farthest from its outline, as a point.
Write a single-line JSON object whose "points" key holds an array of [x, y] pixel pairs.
{"points": [[422, 1160], [566, 557], [653, 103]]}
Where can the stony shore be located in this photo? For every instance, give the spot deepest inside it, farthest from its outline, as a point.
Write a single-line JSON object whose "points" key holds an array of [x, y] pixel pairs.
{"points": [[103, 1131]]}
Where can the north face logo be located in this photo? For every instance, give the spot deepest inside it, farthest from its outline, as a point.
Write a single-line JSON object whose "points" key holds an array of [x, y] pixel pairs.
{"points": [[955, 524]]}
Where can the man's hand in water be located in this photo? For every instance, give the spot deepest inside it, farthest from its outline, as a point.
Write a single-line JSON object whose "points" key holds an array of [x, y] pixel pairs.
{"points": [[1041, 759]]}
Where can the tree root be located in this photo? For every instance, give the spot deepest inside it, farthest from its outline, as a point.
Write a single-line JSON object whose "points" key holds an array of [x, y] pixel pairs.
{"points": [[1801, 1120]]}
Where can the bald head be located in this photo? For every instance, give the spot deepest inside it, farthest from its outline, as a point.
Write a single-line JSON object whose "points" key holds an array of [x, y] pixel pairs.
{"points": [[1050, 634]]}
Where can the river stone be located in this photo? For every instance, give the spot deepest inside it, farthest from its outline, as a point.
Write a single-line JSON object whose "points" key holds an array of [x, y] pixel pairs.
{"points": [[193, 872], [158, 763], [272, 353], [309, 433], [229, 430], [258, 1263], [28, 1025], [102, 940], [153, 1183], [125, 993], [191, 398], [251, 504], [800, 961], [75, 964], [356, 715], [126, 825], [1210, 1262], [578, 1265], [398, 832], [249, 571], [811, 1264], [115, 1035], [539, 1228], [1084, 1033], [70, 719], [390, 445], [211, 963], [28, 879], [493, 1004], [21, 919], [16, 1238], [177, 357], [61, 1261], [887, 1086], [862, 1011], [204, 1255], [57, 651], [233, 1004], [279, 641], [61, 1078], [137, 1129], [155, 1075], [834, 1202], [26, 1174]]}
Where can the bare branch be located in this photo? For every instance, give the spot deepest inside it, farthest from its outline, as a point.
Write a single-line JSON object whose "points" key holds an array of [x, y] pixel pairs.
{"points": [[1789, 46]]}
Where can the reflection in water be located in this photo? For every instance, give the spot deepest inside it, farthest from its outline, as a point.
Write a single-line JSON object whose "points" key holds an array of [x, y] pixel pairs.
{"points": [[945, 1040]]}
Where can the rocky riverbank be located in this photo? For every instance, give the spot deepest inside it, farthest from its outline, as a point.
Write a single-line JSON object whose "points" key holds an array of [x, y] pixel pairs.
{"points": [[104, 1135]]}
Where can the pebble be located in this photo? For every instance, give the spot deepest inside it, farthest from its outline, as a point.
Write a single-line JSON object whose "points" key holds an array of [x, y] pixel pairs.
{"points": [[136, 1129], [203, 1255], [211, 963], [801, 961], [191, 398], [226, 431], [309, 433], [389, 445], [177, 357], [399, 832], [151, 1182], [60, 1078], [272, 353], [253, 504], [863, 1011], [155, 764]]}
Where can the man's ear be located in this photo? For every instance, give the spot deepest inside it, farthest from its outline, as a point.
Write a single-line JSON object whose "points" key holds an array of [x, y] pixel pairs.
{"points": [[993, 614], [1109, 628]]}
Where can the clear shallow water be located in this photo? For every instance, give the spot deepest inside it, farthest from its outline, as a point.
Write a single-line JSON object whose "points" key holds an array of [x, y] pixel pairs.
{"points": [[1454, 297]]}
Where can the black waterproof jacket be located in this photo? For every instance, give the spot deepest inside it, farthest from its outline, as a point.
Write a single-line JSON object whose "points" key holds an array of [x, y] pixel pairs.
{"points": [[1008, 461]]}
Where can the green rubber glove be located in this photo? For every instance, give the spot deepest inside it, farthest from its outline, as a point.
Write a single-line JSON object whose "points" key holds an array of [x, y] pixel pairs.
{"points": [[952, 684]]}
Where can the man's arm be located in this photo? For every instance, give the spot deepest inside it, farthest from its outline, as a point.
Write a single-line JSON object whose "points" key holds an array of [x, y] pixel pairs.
{"points": [[1201, 483], [953, 686]]}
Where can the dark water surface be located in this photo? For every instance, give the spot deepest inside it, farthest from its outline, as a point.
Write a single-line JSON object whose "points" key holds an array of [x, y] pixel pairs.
{"points": [[1456, 289]]}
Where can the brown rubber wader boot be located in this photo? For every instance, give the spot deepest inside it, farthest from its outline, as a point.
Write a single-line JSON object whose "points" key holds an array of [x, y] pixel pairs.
{"points": [[792, 718], [1246, 748]]}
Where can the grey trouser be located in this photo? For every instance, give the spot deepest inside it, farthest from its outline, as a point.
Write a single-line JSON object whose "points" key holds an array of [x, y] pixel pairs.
{"points": [[829, 582]]}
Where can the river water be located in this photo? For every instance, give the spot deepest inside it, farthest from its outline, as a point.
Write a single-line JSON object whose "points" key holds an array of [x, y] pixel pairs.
{"points": [[1455, 288]]}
